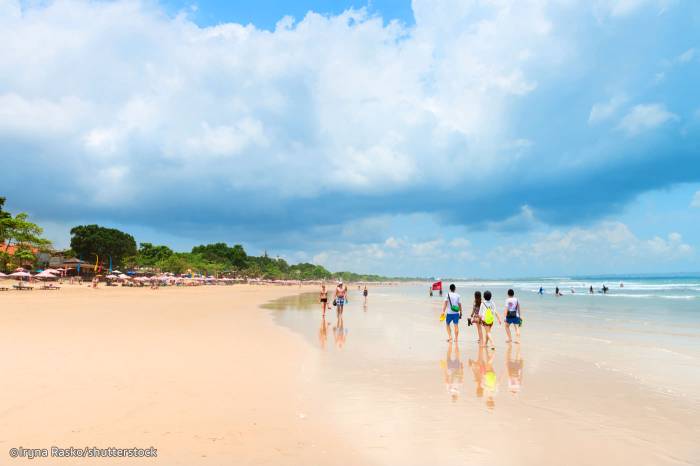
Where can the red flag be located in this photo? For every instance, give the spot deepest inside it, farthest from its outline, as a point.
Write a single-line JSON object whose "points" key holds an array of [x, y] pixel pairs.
{"points": [[437, 286]]}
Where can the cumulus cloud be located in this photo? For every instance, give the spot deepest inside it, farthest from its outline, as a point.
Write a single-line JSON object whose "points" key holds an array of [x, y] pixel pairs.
{"points": [[696, 200], [602, 111], [604, 243], [645, 117], [130, 116]]}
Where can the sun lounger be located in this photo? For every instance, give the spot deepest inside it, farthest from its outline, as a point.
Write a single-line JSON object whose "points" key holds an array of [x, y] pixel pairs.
{"points": [[22, 288], [4, 289], [50, 287]]}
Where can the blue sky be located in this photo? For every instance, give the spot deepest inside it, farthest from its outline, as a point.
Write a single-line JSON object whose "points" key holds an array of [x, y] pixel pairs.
{"points": [[445, 138]]}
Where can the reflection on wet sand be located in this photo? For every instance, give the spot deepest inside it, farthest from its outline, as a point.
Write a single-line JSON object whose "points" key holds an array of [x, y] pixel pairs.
{"points": [[485, 378], [340, 334], [302, 301], [323, 333], [514, 364], [453, 371]]}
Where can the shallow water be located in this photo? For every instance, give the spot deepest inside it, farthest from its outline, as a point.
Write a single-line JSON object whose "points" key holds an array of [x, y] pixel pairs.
{"points": [[590, 368]]}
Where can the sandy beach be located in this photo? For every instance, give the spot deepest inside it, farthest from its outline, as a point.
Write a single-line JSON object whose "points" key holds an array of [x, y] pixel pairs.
{"points": [[206, 376], [195, 372]]}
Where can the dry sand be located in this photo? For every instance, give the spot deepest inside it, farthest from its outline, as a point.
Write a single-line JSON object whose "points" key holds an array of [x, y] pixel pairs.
{"points": [[199, 373]]}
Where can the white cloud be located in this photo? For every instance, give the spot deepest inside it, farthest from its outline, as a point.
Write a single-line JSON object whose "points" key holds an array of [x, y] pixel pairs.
{"points": [[686, 56], [696, 200], [645, 117], [604, 243], [372, 107], [602, 111], [627, 7]]}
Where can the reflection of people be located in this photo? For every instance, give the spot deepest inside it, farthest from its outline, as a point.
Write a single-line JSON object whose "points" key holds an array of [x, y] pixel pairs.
{"points": [[323, 332], [515, 370], [478, 368], [323, 299], [490, 380], [340, 334], [453, 372], [453, 306]]}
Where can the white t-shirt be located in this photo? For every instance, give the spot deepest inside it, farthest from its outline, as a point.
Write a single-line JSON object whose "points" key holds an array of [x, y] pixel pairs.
{"points": [[512, 306], [452, 299]]}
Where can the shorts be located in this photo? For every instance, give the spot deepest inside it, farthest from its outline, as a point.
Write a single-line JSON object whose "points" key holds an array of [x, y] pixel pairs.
{"points": [[513, 320], [339, 301], [324, 300], [452, 318]]}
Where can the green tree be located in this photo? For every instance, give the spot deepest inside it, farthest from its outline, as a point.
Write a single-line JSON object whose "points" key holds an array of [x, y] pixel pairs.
{"points": [[149, 255], [24, 235], [91, 240], [3, 214]]}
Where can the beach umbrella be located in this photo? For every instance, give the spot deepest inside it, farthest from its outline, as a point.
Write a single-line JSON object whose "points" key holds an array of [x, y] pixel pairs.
{"points": [[124, 276], [20, 269], [54, 271], [45, 274], [2, 275], [116, 272], [20, 275], [112, 277]]}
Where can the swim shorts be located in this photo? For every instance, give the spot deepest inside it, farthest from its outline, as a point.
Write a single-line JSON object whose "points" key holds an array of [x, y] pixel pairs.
{"points": [[452, 318], [513, 320], [339, 301]]}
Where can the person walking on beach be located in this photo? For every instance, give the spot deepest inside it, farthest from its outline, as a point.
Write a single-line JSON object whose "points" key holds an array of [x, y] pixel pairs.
{"points": [[487, 314], [476, 321], [323, 299], [453, 306], [341, 292], [364, 293], [513, 316]]}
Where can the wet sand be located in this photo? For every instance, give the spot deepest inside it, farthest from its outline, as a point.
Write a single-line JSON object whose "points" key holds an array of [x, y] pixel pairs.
{"points": [[199, 373], [415, 400]]}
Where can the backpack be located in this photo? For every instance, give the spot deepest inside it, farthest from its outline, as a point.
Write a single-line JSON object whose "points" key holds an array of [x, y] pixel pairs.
{"points": [[488, 315]]}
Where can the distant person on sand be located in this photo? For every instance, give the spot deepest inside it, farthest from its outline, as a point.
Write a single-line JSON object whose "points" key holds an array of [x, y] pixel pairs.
{"points": [[557, 292], [453, 306], [341, 293], [475, 320], [541, 291], [590, 289], [323, 299], [513, 316], [487, 314], [364, 293]]}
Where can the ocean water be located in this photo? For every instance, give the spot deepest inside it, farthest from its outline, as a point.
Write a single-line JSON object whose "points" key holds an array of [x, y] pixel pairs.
{"points": [[590, 367]]}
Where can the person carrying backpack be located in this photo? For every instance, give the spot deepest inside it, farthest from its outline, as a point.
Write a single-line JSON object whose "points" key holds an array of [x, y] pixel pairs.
{"points": [[487, 314]]}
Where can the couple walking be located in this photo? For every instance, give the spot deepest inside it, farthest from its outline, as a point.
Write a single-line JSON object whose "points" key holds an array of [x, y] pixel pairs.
{"points": [[483, 315]]}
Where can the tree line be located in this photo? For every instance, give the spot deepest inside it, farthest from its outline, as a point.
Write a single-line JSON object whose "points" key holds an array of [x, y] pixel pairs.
{"points": [[109, 246]]}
